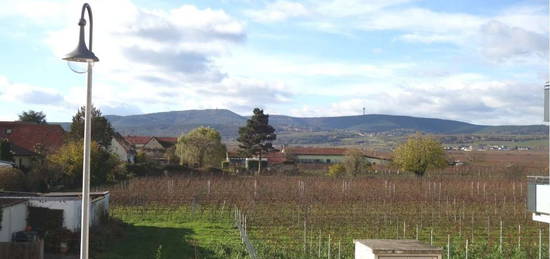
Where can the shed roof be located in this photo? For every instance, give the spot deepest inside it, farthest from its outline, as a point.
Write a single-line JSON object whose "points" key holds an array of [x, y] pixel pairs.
{"points": [[6, 195], [399, 246]]}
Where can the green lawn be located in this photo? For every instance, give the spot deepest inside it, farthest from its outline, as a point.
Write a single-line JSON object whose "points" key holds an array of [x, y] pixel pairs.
{"points": [[175, 233]]}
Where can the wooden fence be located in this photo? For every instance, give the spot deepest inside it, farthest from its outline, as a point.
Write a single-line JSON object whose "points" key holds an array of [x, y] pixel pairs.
{"points": [[22, 250]]}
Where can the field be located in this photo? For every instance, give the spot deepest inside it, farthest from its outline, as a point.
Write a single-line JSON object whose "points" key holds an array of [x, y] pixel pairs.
{"points": [[315, 216], [157, 232]]}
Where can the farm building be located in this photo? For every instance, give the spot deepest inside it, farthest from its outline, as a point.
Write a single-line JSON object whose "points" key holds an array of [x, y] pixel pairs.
{"points": [[314, 155], [234, 159], [303, 155], [153, 147]]}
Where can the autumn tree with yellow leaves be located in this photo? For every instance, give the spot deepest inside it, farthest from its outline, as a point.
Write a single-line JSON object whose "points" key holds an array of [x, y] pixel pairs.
{"points": [[419, 154]]}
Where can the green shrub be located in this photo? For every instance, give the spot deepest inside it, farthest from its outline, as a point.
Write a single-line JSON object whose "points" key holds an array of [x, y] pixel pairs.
{"points": [[104, 166], [336, 170]]}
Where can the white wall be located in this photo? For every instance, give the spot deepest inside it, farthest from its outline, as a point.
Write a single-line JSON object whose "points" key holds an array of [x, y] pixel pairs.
{"points": [[14, 219], [99, 207], [543, 196], [363, 252], [121, 152], [117, 149], [153, 144], [72, 210]]}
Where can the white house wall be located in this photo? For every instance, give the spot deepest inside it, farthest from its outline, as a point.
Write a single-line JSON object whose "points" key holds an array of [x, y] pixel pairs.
{"points": [[14, 219], [119, 150], [153, 144]]}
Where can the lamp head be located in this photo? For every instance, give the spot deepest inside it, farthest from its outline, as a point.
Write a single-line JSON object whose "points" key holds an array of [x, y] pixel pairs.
{"points": [[81, 53]]}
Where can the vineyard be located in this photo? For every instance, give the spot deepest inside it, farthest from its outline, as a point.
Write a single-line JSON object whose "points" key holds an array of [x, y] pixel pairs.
{"points": [[478, 215]]}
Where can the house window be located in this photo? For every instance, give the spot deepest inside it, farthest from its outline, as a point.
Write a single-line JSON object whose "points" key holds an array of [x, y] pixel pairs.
{"points": [[8, 131]]}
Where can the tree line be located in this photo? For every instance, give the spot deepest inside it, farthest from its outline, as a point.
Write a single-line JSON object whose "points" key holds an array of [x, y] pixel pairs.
{"points": [[53, 171], [201, 147]]}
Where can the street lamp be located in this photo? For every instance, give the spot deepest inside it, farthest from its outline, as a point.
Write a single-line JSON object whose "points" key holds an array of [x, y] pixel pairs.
{"points": [[85, 55]]}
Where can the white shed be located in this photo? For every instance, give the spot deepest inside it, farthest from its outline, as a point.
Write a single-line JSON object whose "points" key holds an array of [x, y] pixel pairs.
{"points": [[538, 195], [69, 202], [13, 218], [395, 249]]}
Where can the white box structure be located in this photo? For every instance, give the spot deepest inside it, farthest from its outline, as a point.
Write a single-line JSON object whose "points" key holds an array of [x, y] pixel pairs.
{"points": [[538, 198], [395, 249]]}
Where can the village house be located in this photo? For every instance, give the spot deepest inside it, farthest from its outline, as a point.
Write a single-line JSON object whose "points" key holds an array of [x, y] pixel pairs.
{"points": [[27, 139], [123, 149], [154, 147]]}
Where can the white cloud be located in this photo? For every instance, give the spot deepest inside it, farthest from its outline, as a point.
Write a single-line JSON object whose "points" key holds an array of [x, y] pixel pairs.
{"points": [[278, 11], [38, 11], [17, 97], [345, 8], [184, 58], [307, 67], [466, 97], [513, 32], [283, 10], [28, 94], [501, 42], [166, 59]]}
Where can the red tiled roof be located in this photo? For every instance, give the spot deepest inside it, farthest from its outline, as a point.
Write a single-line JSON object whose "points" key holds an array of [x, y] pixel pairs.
{"points": [[26, 135], [234, 153], [167, 139], [138, 139], [276, 157], [167, 142]]}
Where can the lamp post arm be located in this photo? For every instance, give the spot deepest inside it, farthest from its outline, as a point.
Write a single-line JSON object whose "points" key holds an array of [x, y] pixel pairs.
{"points": [[86, 7]]}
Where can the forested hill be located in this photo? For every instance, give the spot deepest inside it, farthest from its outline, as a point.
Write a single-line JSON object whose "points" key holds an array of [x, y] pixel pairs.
{"points": [[227, 122]]}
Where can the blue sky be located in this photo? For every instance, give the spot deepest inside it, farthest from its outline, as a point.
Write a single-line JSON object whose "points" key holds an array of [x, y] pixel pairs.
{"points": [[477, 61]]}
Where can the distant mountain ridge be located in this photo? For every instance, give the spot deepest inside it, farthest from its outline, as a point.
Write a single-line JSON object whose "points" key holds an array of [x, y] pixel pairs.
{"points": [[174, 123]]}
